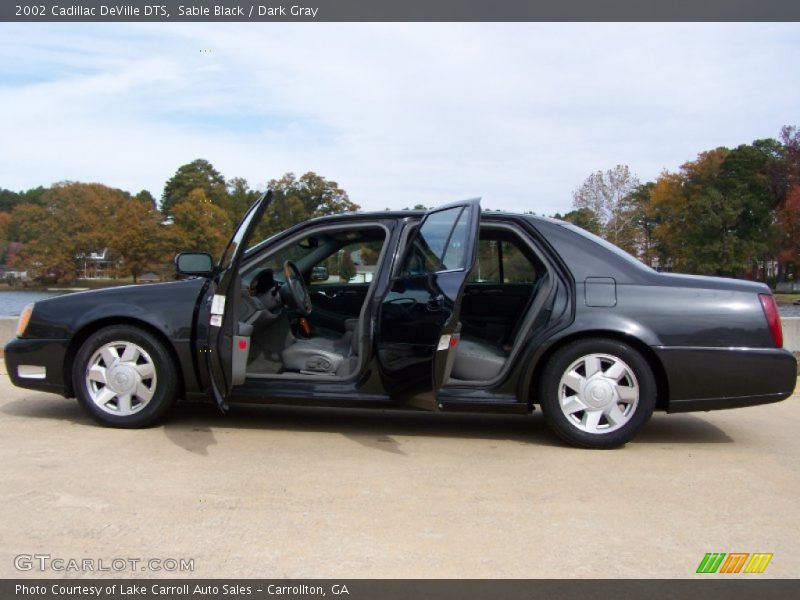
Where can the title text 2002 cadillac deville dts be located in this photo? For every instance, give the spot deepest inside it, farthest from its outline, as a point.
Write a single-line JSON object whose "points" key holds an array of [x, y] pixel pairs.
{"points": [[445, 310]]}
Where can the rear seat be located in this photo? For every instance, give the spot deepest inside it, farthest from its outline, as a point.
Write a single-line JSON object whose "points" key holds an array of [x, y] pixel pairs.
{"points": [[477, 360]]}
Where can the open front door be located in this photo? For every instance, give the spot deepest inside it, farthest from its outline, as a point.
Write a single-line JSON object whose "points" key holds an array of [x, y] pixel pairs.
{"points": [[418, 322], [228, 339]]}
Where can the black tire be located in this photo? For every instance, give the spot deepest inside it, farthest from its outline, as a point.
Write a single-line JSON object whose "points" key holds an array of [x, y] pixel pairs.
{"points": [[163, 385], [568, 428]]}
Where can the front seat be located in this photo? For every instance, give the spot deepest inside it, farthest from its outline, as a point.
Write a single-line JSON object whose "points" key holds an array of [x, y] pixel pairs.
{"points": [[322, 355], [477, 360]]}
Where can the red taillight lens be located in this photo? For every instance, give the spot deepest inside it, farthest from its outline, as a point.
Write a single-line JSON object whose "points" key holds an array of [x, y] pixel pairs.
{"points": [[773, 318]]}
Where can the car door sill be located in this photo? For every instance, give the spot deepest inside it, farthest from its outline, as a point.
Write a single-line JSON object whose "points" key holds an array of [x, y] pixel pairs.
{"points": [[484, 406]]}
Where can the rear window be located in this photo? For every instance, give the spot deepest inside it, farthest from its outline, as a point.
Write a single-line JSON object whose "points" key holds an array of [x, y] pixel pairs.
{"points": [[605, 244]]}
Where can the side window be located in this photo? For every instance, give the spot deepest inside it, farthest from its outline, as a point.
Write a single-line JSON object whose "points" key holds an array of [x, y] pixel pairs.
{"points": [[333, 257], [440, 244], [455, 253], [516, 266], [295, 252], [352, 264], [487, 266], [501, 261]]}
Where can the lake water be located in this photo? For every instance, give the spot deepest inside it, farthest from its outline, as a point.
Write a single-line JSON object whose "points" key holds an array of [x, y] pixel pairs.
{"points": [[12, 302], [789, 311]]}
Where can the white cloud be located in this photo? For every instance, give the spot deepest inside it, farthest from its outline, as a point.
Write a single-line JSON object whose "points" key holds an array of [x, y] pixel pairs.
{"points": [[397, 113]]}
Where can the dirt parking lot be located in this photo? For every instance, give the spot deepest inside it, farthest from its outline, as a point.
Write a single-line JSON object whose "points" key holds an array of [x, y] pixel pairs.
{"points": [[284, 492]]}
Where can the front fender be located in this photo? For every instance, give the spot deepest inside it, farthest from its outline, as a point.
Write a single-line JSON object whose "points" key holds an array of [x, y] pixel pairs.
{"points": [[167, 307], [168, 310]]}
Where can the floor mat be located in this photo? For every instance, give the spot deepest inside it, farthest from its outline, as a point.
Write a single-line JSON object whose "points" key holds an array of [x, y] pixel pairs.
{"points": [[264, 366]]}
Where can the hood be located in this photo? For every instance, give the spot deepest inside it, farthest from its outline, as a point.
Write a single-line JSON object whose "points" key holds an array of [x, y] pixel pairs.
{"points": [[124, 291]]}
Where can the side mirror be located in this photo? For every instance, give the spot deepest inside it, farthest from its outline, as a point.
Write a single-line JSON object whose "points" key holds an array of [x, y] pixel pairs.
{"points": [[320, 273], [199, 264]]}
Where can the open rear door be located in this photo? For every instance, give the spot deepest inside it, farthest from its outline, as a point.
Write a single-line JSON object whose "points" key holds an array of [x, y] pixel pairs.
{"points": [[418, 322], [228, 339]]}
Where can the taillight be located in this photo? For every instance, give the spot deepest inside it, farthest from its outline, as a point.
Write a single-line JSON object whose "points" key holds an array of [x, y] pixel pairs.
{"points": [[773, 318]]}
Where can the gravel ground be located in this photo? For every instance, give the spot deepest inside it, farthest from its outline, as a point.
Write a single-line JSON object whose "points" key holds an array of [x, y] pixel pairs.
{"points": [[289, 492]]}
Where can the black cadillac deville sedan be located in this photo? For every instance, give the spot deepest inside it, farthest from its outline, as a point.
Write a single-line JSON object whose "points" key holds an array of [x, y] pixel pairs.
{"points": [[446, 310]]}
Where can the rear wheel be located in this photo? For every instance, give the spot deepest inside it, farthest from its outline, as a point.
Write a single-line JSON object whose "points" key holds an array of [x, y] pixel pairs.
{"points": [[124, 377], [597, 393]]}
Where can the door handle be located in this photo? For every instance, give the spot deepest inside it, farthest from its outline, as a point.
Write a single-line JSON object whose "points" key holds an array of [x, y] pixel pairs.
{"points": [[436, 303]]}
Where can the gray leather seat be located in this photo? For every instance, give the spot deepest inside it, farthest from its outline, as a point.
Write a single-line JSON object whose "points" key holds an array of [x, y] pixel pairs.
{"points": [[477, 360], [324, 355]]}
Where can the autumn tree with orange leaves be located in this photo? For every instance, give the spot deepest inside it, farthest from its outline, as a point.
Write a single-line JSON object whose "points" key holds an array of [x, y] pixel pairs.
{"points": [[788, 217]]}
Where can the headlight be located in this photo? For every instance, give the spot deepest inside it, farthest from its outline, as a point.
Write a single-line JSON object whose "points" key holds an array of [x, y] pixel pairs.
{"points": [[24, 318]]}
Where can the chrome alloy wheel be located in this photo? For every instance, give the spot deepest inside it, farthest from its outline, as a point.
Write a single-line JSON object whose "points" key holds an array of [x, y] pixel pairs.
{"points": [[598, 393], [121, 378]]}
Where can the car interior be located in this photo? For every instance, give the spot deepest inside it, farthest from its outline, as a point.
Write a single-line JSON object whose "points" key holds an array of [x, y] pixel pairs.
{"points": [[506, 278], [338, 268], [295, 334]]}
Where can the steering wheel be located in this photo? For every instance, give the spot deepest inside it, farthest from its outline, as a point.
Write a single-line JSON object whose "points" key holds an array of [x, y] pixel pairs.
{"points": [[298, 292]]}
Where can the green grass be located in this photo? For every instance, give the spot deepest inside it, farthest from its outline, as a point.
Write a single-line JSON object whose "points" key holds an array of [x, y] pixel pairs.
{"points": [[786, 298]]}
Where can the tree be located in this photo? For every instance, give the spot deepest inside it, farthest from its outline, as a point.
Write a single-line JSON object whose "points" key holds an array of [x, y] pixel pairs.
{"points": [[198, 174], [607, 194], [298, 199], [8, 200], [199, 225], [642, 222], [584, 218], [5, 220], [347, 269], [138, 240], [369, 253], [145, 196], [715, 216], [790, 138], [789, 230], [34, 195], [239, 199], [70, 220], [788, 213], [47, 247]]}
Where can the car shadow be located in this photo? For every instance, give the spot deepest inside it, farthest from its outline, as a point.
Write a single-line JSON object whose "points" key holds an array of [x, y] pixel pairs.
{"points": [[196, 438], [191, 425], [681, 429], [375, 429]]}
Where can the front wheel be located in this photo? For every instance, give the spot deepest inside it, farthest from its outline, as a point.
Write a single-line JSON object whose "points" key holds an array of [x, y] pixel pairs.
{"points": [[597, 393], [124, 377]]}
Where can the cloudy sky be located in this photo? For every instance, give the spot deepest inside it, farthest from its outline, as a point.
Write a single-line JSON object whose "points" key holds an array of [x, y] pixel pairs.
{"points": [[398, 114]]}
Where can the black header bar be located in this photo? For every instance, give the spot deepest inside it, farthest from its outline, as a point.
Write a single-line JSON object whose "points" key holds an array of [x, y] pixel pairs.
{"points": [[401, 10], [708, 588]]}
